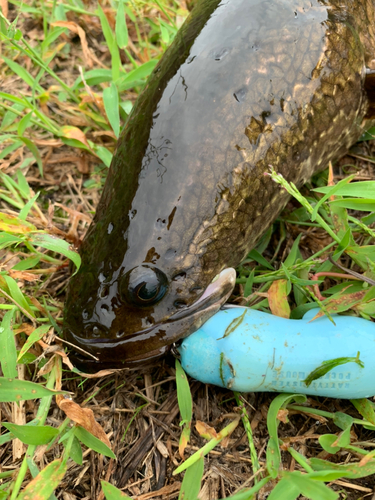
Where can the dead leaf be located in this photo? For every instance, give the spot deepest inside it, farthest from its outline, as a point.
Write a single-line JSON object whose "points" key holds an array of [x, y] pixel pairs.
{"points": [[38, 305], [23, 275], [75, 213], [163, 492], [101, 133], [74, 133], [367, 458], [99, 374], [47, 367], [205, 430], [71, 26], [26, 328], [14, 225], [83, 417], [184, 440], [19, 418], [92, 98], [282, 415], [278, 299], [4, 7], [225, 442], [55, 143]]}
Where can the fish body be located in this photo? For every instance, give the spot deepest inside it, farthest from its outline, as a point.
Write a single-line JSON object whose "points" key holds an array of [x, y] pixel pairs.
{"points": [[246, 85]]}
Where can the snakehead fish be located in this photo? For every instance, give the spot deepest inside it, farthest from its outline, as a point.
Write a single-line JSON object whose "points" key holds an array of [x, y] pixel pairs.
{"points": [[246, 84]]}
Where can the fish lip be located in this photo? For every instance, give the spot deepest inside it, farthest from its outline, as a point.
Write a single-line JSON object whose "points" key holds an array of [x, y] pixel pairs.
{"points": [[184, 321]]}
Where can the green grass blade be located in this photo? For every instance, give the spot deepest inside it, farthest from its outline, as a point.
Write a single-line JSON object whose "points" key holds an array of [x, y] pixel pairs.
{"points": [[122, 35], [136, 75], [36, 335], [111, 105], [284, 490], [207, 447], [191, 483], [24, 123], [8, 358], [93, 442], [35, 435], [365, 408], [34, 150], [17, 295], [26, 209], [185, 402], [43, 485], [273, 455], [113, 493], [112, 45], [56, 245], [363, 189], [22, 390], [23, 73]]}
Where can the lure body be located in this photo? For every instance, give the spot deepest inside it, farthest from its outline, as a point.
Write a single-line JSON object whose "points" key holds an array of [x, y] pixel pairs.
{"points": [[250, 351]]}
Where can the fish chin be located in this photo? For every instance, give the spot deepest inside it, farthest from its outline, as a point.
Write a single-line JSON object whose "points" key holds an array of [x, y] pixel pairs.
{"points": [[130, 351]]}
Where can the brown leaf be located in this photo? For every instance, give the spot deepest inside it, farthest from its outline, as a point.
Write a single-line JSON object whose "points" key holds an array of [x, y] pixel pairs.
{"points": [[26, 328], [38, 305], [19, 417], [278, 299], [55, 143], [225, 442], [4, 7], [83, 417], [70, 25], [39, 488], [184, 439], [282, 415], [14, 225], [23, 275], [367, 458], [99, 374], [165, 492], [47, 368], [74, 133], [205, 430], [75, 213]]}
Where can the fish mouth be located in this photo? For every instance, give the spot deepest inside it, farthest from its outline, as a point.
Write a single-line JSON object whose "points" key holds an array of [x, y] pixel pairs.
{"points": [[146, 346]]}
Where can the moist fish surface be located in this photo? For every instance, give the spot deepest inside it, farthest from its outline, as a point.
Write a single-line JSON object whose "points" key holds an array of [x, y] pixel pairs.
{"points": [[246, 84]]}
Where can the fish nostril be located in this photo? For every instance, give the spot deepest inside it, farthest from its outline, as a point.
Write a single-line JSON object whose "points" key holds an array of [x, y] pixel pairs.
{"points": [[179, 277], [105, 309], [104, 291], [96, 331], [180, 304]]}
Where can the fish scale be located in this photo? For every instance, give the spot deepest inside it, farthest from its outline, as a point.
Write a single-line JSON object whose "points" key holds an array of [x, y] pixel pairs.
{"points": [[245, 85]]}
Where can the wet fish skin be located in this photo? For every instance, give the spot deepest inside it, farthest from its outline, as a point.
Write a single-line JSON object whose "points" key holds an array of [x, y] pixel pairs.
{"points": [[246, 84]]}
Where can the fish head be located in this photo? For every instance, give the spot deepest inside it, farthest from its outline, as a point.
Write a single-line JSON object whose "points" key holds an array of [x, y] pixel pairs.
{"points": [[137, 314]]}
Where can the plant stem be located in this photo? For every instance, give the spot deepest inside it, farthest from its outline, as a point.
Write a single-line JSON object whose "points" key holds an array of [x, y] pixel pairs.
{"points": [[249, 432]]}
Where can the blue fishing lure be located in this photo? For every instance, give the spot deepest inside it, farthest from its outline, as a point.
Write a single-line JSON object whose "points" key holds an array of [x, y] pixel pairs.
{"points": [[250, 351]]}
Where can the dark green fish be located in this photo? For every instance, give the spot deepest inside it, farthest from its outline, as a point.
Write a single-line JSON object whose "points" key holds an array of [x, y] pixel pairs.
{"points": [[246, 84]]}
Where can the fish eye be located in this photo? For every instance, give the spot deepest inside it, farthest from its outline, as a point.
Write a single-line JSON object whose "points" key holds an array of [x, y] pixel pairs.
{"points": [[144, 285]]}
